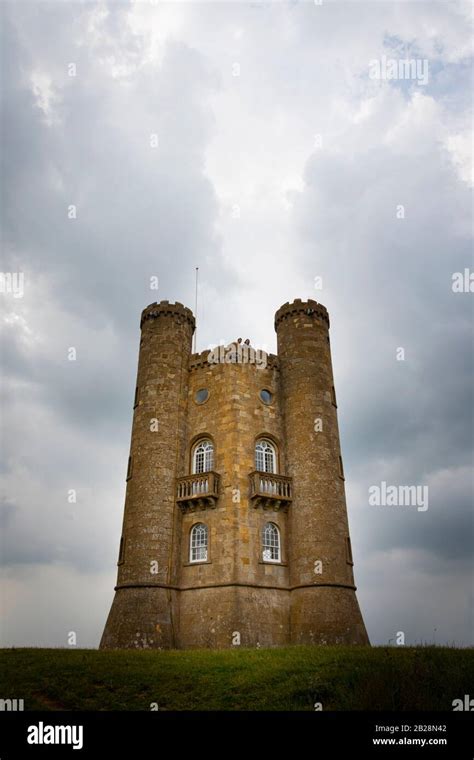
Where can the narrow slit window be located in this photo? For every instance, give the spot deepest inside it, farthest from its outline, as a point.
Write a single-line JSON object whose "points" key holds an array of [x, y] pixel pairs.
{"points": [[341, 467], [121, 558], [349, 551]]}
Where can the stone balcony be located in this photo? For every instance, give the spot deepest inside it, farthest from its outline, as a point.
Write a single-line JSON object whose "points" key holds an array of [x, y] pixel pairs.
{"points": [[270, 491], [197, 491]]}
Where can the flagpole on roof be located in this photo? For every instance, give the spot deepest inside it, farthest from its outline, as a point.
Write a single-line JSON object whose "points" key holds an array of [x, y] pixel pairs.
{"points": [[196, 308]]}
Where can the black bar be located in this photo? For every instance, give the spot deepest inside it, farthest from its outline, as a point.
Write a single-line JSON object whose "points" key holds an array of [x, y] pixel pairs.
{"points": [[161, 733]]}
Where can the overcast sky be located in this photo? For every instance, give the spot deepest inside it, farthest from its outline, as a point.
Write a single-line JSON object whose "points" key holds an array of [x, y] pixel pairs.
{"points": [[253, 141]]}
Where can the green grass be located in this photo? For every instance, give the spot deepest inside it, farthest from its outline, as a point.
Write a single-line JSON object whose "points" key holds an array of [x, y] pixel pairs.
{"points": [[341, 678]]}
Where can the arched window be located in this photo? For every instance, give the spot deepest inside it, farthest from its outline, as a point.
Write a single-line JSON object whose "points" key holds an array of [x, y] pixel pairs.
{"points": [[265, 456], [198, 543], [271, 545], [203, 457]]}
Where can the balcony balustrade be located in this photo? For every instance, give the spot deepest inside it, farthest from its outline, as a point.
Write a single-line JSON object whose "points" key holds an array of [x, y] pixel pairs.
{"points": [[270, 491], [197, 491]]}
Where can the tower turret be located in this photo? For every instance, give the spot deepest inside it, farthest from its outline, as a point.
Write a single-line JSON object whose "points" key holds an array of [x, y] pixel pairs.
{"points": [[145, 608], [323, 604]]}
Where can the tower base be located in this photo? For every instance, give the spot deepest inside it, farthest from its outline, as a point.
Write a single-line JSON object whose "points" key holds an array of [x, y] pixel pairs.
{"points": [[227, 616], [326, 615], [142, 618]]}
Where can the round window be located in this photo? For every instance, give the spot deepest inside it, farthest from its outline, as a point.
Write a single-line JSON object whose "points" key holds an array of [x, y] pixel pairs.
{"points": [[201, 396], [266, 396]]}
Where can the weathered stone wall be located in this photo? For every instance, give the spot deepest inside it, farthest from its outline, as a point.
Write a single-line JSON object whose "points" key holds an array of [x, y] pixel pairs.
{"points": [[233, 417], [151, 522], [319, 531]]}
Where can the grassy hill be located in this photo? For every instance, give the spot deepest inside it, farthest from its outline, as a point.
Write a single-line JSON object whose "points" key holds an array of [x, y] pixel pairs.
{"points": [[341, 678]]}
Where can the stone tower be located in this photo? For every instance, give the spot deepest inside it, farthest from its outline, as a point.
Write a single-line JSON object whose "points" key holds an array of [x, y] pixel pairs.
{"points": [[235, 527]]}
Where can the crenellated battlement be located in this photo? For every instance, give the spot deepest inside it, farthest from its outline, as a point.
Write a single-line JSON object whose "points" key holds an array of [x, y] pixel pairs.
{"points": [[165, 308], [196, 361], [298, 306], [233, 353]]}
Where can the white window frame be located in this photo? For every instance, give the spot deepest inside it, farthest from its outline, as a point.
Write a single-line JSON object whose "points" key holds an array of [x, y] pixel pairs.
{"points": [[266, 455], [271, 544], [203, 457], [198, 543]]}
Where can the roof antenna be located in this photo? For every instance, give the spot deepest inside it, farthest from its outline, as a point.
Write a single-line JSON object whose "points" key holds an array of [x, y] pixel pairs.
{"points": [[196, 308]]}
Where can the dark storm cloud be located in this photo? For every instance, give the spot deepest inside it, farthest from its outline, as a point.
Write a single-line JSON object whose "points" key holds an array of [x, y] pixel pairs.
{"points": [[391, 283], [141, 211]]}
